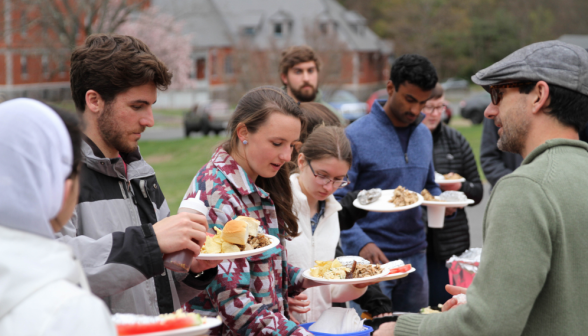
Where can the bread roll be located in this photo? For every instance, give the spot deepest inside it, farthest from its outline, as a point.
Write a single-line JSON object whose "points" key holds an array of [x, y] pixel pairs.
{"points": [[235, 232], [252, 224]]}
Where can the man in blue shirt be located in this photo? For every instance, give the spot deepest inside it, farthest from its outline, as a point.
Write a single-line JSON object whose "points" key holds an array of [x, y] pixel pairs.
{"points": [[392, 148]]}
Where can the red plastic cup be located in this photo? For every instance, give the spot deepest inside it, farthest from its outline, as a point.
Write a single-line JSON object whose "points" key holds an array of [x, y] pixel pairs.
{"points": [[180, 261]]}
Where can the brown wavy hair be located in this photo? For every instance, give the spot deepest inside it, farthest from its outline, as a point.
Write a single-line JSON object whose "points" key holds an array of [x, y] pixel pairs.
{"points": [[327, 142], [253, 110], [112, 64]]}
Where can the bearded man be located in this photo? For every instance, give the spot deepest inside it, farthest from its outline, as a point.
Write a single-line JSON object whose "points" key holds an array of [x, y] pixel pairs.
{"points": [[299, 72], [121, 227]]}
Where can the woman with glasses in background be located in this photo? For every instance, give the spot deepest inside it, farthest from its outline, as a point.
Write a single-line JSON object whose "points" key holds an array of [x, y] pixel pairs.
{"points": [[451, 154], [323, 162]]}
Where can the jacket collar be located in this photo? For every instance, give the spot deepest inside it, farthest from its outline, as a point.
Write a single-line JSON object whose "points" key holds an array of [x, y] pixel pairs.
{"points": [[551, 144], [380, 114], [331, 204], [95, 160], [235, 174]]}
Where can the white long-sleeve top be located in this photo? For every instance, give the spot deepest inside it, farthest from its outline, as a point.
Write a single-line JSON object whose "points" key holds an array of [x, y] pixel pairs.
{"points": [[306, 248]]}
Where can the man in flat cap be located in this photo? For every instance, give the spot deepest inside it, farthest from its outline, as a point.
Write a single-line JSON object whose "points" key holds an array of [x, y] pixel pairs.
{"points": [[533, 272]]}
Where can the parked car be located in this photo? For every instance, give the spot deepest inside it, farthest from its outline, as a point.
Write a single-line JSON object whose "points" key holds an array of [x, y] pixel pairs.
{"points": [[206, 117], [348, 105], [378, 95], [456, 84], [473, 107]]}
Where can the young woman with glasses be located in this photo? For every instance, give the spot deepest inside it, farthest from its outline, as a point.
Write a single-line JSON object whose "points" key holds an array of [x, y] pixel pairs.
{"points": [[323, 162]]}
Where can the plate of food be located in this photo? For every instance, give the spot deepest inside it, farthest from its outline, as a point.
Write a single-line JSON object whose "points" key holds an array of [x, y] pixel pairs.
{"points": [[178, 323], [349, 270], [391, 200], [239, 238], [448, 199], [448, 178], [397, 270]]}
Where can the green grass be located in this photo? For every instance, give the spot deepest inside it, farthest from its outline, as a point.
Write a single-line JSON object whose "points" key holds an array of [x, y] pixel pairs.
{"points": [[176, 162], [473, 135]]}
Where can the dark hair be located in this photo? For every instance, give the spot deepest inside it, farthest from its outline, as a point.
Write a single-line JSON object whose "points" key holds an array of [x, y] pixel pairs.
{"points": [[253, 110], [296, 55], [327, 142], [318, 114], [111, 64], [414, 69], [568, 107], [74, 128], [437, 92]]}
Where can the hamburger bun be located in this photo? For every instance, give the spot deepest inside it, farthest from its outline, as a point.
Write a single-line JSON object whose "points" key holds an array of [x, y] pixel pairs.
{"points": [[235, 232], [252, 224]]}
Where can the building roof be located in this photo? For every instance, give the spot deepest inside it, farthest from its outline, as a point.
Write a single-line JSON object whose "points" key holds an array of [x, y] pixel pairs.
{"points": [[579, 40], [270, 23]]}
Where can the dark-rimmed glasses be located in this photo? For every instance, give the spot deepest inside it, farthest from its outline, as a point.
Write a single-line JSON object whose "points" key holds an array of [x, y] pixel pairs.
{"points": [[495, 93], [324, 180], [431, 109]]}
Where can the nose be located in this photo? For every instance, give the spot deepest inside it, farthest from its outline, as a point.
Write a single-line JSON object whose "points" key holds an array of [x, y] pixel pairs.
{"points": [[286, 154], [305, 76], [491, 111], [416, 109], [147, 119], [329, 187]]}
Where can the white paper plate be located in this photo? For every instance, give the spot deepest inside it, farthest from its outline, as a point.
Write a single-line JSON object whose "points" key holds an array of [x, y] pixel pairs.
{"points": [[450, 181], [397, 275], [203, 329], [237, 255], [449, 204], [382, 204], [375, 278]]}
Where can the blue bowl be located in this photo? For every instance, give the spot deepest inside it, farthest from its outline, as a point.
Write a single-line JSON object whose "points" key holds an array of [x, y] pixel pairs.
{"points": [[367, 330]]}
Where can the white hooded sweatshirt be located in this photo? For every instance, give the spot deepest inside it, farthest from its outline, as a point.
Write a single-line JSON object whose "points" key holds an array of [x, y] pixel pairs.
{"points": [[43, 290], [305, 249]]}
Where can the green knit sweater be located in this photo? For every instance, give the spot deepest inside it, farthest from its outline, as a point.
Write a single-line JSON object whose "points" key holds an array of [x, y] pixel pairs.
{"points": [[533, 275]]}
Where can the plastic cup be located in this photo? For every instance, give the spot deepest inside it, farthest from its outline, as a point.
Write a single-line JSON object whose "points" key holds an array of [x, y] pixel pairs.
{"points": [[436, 216], [180, 261]]}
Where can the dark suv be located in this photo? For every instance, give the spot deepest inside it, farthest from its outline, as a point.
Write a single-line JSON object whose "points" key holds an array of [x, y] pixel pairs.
{"points": [[207, 117]]}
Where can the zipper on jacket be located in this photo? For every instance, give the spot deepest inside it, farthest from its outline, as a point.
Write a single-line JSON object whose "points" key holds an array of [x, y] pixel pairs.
{"points": [[130, 189], [406, 157]]}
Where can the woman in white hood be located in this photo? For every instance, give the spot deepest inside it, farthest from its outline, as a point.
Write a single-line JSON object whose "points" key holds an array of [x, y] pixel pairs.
{"points": [[43, 290]]}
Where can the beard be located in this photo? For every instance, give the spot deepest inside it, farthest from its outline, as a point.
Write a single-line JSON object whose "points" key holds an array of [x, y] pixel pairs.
{"points": [[302, 96], [113, 133], [514, 133]]}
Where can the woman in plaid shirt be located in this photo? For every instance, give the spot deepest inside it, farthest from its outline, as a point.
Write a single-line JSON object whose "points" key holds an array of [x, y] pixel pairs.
{"points": [[249, 176]]}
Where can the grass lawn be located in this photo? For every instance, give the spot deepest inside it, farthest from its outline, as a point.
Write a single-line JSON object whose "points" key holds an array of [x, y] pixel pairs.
{"points": [[176, 162]]}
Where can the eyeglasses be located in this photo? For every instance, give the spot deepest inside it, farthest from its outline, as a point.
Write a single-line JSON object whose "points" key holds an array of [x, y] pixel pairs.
{"points": [[431, 109], [324, 180], [496, 95]]}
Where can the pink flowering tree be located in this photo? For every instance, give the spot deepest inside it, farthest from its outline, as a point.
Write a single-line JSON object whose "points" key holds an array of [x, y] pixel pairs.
{"points": [[164, 35]]}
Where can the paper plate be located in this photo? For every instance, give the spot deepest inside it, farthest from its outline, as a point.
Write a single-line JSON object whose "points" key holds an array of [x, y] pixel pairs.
{"points": [[374, 278], [397, 275], [449, 204], [450, 181], [211, 322], [237, 255], [382, 204]]}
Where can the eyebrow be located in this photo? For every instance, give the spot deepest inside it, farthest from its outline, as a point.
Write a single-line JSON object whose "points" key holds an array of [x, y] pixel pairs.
{"points": [[140, 101], [327, 174]]}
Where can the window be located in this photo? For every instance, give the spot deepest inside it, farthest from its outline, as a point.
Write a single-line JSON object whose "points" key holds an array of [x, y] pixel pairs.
{"points": [[201, 68], [213, 63], [23, 23], [228, 65], [45, 65], [24, 67], [249, 31], [278, 29]]}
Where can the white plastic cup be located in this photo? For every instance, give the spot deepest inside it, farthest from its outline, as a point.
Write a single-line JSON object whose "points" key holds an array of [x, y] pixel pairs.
{"points": [[180, 261], [436, 216]]}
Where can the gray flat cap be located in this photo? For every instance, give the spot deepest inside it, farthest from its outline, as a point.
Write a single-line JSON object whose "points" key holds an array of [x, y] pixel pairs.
{"points": [[554, 62]]}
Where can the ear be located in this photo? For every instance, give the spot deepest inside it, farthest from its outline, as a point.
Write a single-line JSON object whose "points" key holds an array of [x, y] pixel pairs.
{"points": [[541, 97], [284, 79], [301, 160], [94, 102], [390, 88], [242, 132]]}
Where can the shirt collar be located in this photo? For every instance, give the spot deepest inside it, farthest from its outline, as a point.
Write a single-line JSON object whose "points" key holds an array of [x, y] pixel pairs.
{"points": [[235, 174]]}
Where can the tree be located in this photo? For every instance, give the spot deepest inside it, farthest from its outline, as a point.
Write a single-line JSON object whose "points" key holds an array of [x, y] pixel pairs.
{"points": [[165, 38]]}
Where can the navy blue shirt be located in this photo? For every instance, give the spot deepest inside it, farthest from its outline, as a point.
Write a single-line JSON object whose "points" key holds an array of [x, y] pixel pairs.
{"points": [[403, 135]]}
